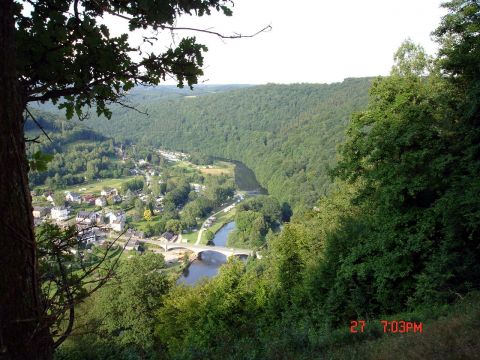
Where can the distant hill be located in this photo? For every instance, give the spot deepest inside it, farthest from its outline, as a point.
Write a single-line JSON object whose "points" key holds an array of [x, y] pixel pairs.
{"points": [[286, 133], [79, 152]]}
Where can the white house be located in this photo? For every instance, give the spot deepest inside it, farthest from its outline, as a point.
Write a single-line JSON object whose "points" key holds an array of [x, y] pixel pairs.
{"points": [[132, 244], [73, 197], [117, 220], [101, 201], [118, 225], [59, 213], [116, 215]]}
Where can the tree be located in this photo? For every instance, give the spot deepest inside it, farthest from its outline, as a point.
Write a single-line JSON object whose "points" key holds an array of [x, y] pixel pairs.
{"points": [[57, 51], [59, 199], [209, 235], [147, 215], [122, 311], [139, 208], [413, 156], [174, 226], [459, 53]]}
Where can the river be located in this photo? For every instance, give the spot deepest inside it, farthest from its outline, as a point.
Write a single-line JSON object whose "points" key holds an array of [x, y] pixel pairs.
{"points": [[210, 262]]}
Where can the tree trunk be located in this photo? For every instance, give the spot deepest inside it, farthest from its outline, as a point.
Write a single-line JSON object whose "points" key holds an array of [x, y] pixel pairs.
{"points": [[23, 331]]}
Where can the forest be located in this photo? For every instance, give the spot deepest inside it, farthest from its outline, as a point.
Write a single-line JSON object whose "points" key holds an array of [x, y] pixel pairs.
{"points": [[372, 217], [287, 134], [395, 238], [78, 153]]}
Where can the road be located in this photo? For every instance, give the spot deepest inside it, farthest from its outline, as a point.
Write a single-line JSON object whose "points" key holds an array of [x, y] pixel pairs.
{"points": [[199, 237]]}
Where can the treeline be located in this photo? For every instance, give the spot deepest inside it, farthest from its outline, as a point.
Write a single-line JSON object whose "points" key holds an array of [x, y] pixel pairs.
{"points": [[287, 134]]}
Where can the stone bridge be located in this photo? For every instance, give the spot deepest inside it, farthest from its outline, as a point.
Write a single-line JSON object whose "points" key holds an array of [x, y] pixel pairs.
{"points": [[197, 249]]}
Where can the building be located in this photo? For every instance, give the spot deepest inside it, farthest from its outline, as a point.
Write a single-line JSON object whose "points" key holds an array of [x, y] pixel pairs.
{"points": [[132, 244], [109, 191], [116, 215], [117, 225], [116, 199], [101, 201], [89, 199], [40, 211], [117, 220], [86, 219], [135, 234], [168, 236], [73, 197], [87, 236], [197, 187], [59, 213]]}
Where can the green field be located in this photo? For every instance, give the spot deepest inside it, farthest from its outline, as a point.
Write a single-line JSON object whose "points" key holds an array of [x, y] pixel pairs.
{"points": [[97, 185], [142, 223], [190, 237]]}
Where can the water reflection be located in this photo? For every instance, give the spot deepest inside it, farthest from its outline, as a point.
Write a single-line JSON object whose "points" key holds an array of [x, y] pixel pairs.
{"points": [[206, 266], [221, 236]]}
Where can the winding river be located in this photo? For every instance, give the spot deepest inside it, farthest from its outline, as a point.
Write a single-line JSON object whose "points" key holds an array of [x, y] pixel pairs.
{"points": [[210, 262]]}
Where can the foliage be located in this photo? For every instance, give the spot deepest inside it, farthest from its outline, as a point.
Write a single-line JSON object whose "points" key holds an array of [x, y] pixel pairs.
{"points": [[147, 215], [69, 277], [69, 44], [209, 235], [132, 185], [254, 218], [397, 236], [174, 226], [73, 154], [120, 313], [287, 134]]}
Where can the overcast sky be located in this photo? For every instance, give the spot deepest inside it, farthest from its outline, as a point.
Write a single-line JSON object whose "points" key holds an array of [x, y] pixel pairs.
{"points": [[315, 41]]}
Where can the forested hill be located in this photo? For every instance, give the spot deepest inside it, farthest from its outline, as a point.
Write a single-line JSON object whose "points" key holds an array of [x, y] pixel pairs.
{"points": [[287, 134], [78, 152]]}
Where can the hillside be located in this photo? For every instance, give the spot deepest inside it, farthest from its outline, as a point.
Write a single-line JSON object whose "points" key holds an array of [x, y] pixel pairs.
{"points": [[79, 153], [287, 134]]}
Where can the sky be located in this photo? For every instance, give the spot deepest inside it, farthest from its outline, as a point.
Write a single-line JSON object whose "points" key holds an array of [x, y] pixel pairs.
{"points": [[311, 41]]}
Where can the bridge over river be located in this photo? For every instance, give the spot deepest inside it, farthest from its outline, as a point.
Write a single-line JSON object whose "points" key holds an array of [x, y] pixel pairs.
{"points": [[198, 249]]}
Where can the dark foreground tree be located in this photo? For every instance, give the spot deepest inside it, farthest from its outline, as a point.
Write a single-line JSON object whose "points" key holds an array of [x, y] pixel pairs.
{"points": [[57, 50]]}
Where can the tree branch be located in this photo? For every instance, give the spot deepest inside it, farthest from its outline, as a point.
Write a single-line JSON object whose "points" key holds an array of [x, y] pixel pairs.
{"points": [[220, 35], [38, 124], [173, 28]]}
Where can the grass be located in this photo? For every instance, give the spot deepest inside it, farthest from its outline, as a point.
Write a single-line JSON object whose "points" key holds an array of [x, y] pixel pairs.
{"points": [[222, 219], [96, 186], [219, 168], [142, 224], [186, 165], [216, 171], [191, 237]]}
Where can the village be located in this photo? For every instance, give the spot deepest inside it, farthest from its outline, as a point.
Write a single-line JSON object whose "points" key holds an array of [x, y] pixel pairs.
{"points": [[101, 215]]}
